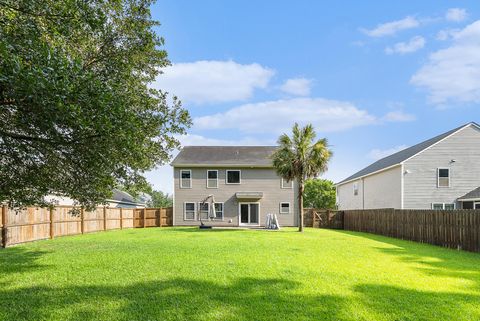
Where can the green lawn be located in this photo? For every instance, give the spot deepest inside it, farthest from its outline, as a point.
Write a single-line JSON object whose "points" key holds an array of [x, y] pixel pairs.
{"points": [[188, 274]]}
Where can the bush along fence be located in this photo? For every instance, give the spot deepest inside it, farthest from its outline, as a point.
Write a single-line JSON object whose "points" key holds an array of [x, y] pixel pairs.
{"points": [[457, 229], [38, 223]]}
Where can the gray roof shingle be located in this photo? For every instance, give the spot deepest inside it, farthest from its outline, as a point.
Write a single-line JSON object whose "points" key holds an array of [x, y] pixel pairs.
{"points": [[225, 156], [475, 194], [402, 155]]}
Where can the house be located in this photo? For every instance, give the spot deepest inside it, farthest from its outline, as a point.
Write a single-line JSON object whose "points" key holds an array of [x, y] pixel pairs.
{"points": [[440, 173], [119, 199], [242, 181]]}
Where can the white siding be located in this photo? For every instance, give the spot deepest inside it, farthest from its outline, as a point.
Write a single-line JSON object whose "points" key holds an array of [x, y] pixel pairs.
{"points": [[381, 190], [420, 183]]}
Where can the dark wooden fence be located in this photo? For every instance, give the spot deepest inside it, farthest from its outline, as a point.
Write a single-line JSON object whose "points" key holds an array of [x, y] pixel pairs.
{"points": [[38, 223], [323, 218], [458, 229]]}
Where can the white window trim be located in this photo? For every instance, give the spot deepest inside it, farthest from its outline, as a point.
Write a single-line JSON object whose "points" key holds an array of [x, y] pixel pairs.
{"points": [[200, 214], [212, 170], [233, 170], [181, 180], [239, 214], [475, 203], [355, 187], [289, 207], [283, 185], [185, 211], [223, 211], [449, 177], [443, 205]]}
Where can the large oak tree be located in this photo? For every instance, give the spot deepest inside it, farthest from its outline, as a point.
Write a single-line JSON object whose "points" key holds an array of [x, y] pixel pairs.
{"points": [[78, 115]]}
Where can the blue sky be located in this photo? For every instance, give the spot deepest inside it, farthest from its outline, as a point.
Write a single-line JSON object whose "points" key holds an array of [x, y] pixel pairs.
{"points": [[373, 77]]}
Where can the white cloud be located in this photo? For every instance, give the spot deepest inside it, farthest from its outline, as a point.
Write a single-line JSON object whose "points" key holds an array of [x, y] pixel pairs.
{"points": [[414, 44], [377, 154], [278, 116], [213, 81], [446, 34], [398, 116], [391, 28], [453, 74], [456, 14], [297, 86]]}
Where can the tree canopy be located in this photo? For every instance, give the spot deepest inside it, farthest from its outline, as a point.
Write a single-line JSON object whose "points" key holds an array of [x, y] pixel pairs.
{"points": [[78, 115], [320, 193], [299, 158]]}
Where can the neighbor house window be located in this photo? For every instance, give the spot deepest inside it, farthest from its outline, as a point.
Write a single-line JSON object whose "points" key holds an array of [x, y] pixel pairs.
{"points": [[219, 211], [185, 178], [443, 177], [286, 184], [233, 176], [355, 188], [203, 210], [212, 179], [443, 206], [189, 211], [284, 208]]}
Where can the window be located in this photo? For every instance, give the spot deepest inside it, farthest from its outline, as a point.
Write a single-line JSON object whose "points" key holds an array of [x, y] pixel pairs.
{"points": [[203, 211], [443, 177], [219, 211], [286, 184], [443, 206], [284, 208], [355, 188], [185, 178], [233, 176], [212, 179], [189, 211]]}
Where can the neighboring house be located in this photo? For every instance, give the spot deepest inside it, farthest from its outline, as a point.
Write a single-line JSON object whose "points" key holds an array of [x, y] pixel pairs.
{"points": [[119, 199], [440, 173], [241, 179]]}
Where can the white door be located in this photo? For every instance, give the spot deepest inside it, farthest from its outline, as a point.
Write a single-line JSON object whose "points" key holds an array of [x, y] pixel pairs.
{"points": [[249, 213]]}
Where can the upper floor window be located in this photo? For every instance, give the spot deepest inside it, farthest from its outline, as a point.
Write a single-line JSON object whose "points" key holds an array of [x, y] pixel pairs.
{"points": [[185, 178], [355, 188], [286, 184], [212, 179], [233, 176], [443, 177]]}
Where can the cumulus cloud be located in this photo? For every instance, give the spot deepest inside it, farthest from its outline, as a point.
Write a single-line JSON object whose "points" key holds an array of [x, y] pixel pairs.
{"points": [[392, 27], [276, 117], [297, 86], [446, 34], [453, 74], [414, 44], [213, 81], [456, 14], [377, 154], [398, 116]]}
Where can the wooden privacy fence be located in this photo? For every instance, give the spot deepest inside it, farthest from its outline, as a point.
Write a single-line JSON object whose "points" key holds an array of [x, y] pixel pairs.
{"points": [[323, 218], [458, 229], [38, 223]]}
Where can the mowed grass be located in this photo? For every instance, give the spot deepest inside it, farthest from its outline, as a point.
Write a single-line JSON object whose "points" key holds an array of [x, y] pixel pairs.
{"points": [[189, 274]]}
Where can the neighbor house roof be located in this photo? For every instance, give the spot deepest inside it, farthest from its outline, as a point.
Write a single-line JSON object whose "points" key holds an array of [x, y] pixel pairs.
{"points": [[403, 155], [472, 195], [120, 196], [198, 156]]}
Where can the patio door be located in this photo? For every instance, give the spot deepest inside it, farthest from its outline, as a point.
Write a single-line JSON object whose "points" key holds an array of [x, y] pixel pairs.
{"points": [[249, 213]]}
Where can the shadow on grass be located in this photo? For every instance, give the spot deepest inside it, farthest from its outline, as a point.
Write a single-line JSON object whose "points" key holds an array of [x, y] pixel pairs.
{"points": [[19, 260], [178, 299]]}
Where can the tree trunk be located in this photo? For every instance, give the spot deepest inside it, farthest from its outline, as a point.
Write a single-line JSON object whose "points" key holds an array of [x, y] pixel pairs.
{"points": [[300, 206]]}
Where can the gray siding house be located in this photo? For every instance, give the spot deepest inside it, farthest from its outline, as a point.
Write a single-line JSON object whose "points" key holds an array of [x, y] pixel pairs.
{"points": [[440, 173], [242, 181]]}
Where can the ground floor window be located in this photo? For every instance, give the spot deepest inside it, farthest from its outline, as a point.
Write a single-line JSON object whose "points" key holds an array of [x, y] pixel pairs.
{"points": [[219, 211], [189, 211], [284, 208], [443, 206], [203, 209]]}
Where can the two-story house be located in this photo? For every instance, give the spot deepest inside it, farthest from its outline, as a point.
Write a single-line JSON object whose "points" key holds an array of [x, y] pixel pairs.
{"points": [[440, 173], [241, 179]]}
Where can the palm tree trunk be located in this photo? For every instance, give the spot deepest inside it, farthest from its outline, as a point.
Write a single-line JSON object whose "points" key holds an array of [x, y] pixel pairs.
{"points": [[300, 206]]}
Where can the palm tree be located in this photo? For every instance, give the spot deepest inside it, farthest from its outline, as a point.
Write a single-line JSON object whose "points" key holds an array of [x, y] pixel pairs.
{"points": [[299, 158]]}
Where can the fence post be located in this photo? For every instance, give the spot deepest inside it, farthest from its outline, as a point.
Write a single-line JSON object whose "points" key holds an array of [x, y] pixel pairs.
{"points": [[121, 218], [104, 218], [82, 220], [52, 232], [4, 225], [144, 214]]}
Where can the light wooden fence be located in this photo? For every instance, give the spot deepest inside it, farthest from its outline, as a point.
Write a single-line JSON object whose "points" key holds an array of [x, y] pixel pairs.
{"points": [[37, 223], [322, 218], [458, 229]]}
